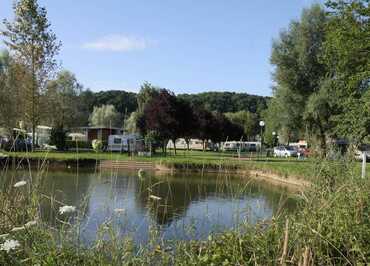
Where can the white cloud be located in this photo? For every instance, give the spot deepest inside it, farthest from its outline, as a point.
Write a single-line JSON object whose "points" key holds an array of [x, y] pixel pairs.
{"points": [[118, 43]]}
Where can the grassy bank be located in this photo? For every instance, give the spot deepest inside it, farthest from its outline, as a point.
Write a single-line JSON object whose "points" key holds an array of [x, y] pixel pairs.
{"points": [[332, 227], [307, 169], [193, 160]]}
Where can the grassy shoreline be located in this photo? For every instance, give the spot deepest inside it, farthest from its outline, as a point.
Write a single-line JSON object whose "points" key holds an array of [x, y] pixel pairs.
{"points": [[307, 169], [199, 161]]}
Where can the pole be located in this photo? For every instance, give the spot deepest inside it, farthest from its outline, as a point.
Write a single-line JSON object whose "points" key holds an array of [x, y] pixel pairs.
{"points": [[363, 172], [261, 141]]}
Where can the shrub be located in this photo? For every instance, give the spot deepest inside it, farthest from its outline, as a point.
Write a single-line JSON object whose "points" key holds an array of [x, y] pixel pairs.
{"points": [[71, 144], [97, 145], [58, 138]]}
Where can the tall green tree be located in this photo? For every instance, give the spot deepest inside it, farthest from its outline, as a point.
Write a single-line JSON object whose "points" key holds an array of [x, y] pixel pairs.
{"points": [[347, 57], [146, 93], [12, 79], [247, 120], [62, 98], [104, 116], [299, 71], [34, 44]]}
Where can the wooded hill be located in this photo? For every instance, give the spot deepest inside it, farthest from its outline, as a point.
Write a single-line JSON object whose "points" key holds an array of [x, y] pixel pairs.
{"points": [[223, 102]]}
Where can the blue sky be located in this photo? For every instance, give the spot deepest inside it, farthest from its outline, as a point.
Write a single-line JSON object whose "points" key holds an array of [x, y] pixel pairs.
{"points": [[187, 46]]}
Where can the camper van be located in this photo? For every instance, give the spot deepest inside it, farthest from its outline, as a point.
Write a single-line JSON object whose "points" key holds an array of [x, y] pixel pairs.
{"points": [[251, 146], [194, 144], [125, 143]]}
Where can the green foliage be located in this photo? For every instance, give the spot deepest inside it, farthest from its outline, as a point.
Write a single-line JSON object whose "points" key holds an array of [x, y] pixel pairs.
{"points": [[35, 46], [298, 73], [249, 121], [124, 102], [72, 144], [104, 116], [347, 56], [146, 93], [62, 100], [58, 137], [97, 145], [227, 102], [131, 123]]}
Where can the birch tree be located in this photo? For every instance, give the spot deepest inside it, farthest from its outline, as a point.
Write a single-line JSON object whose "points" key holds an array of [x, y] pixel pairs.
{"points": [[30, 38]]}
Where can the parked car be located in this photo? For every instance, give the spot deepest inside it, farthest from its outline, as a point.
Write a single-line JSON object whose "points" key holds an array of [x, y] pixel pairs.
{"points": [[285, 151]]}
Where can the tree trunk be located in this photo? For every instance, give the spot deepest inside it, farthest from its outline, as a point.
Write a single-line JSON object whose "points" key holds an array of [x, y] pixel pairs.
{"points": [[174, 145], [323, 144], [187, 143]]}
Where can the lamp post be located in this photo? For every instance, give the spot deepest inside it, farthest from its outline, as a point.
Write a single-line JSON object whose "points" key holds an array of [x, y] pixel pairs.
{"points": [[274, 138], [262, 124]]}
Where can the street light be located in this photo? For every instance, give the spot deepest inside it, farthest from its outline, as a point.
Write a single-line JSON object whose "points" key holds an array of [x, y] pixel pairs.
{"points": [[273, 138], [262, 124]]}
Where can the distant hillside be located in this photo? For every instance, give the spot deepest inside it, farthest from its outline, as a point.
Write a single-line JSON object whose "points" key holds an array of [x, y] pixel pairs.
{"points": [[215, 101], [123, 101], [228, 101]]}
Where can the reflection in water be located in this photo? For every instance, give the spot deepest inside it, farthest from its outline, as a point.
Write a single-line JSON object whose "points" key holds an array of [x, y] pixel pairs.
{"points": [[180, 206]]}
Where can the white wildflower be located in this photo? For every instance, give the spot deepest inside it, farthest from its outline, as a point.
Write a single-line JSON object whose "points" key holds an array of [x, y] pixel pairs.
{"points": [[67, 209], [155, 197], [20, 183], [16, 229], [30, 223], [118, 210], [9, 244]]}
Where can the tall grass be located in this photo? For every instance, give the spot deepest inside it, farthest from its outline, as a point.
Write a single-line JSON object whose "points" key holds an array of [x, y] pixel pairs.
{"points": [[332, 227]]}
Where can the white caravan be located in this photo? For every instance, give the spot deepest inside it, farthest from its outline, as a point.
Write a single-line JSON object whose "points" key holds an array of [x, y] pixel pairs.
{"points": [[124, 143], [194, 144]]}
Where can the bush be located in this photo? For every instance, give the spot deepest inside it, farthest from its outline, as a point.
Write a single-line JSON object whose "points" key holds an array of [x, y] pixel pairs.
{"points": [[58, 138], [97, 145], [72, 144]]}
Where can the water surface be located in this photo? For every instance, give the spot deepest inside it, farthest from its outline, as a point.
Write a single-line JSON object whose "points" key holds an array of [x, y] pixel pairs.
{"points": [[184, 206]]}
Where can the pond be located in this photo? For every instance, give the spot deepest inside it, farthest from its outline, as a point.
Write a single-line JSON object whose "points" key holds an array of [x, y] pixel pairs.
{"points": [[180, 206]]}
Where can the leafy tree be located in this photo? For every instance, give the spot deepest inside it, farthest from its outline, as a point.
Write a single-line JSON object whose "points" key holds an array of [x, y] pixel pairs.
{"points": [[146, 93], [299, 72], [225, 102], [247, 120], [104, 116], [12, 78], [187, 120], [124, 102], [58, 137], [161, 115], [33, 43], [207, 124], [347, 56], [225, 129], [131, 124], [86, 105], [318, 114], [62, 98]]}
